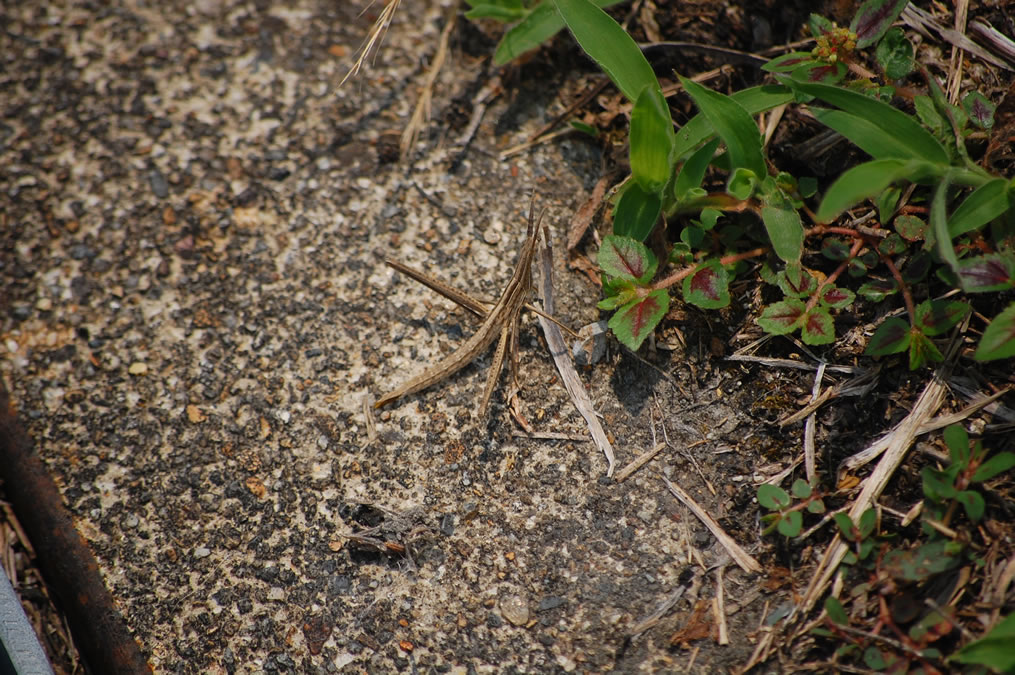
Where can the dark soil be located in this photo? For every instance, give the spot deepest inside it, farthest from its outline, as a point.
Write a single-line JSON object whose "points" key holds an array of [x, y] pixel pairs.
{"points": [[195, 312]]}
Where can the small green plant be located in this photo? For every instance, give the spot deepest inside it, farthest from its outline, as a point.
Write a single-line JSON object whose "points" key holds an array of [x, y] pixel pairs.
{"points": [[965, 239], [787, 517], [887, 580]]}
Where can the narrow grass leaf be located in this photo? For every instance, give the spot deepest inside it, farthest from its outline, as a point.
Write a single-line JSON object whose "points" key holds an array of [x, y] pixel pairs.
{"points": [[983, 205], [864, 133], [651, 140], [921, 143], [734, 125], [625, 258], [692, 172], [541, 24], [609, 45], [998, 341], [862, 182], [754, 100], [994, 650], [636, 321]]}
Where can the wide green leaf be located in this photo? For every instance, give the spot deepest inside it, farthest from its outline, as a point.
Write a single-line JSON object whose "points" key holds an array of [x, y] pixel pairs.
{"points": [[651, 140], [541, 24], [692, 172], [636, 321], [708, 287], [609, 45], [754, 100], [993, 650], [637, 212], [626, 258], [785, 231], [865, 134], [891, 337], [868, 180], [998, 341], [874, 18], [921, 143], [734, 125], [983, 205]]}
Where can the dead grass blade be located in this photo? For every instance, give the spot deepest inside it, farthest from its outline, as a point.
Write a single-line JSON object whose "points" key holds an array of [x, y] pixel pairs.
{"points": [[562, 358], [421, 113], [374, 38]]}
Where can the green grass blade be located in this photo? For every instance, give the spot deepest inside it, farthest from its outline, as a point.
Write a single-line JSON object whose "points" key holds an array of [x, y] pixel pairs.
{"points": [[734, 125], [865, 134], [754, 100], [609, 45], [986, 203], [541, 24], [921, 143], [651, 140], [868, 180]]}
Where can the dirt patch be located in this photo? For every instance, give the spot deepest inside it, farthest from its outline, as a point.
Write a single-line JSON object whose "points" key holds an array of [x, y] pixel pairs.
{"points": [[195, 310]]}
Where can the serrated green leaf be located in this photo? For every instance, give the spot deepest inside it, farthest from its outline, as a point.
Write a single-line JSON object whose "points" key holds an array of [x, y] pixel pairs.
{"points": [[994, 466], [873, 19], [796, 282], [733, 124], [651, 140], [818, 327], [983, 205], [785, 231], [627, 259], [636, 212], [541, 24], [986, 273], [998, 341], [891, 337], [708, 287], [895, 54], [916, 142], [979, 109], [692, 172], [922, 351], [837, 298], [783, 317], [773, 497], [935, 317], [877, 290], [609, 45], [636, 321]]}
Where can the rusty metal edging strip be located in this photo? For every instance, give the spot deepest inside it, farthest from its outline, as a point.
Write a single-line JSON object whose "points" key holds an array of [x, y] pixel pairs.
{"points": [[67, 564]]}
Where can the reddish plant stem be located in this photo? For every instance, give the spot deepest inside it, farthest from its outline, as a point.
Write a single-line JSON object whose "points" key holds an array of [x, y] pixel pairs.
{"points": [[830, 279], [685, 272], [907, 296]]}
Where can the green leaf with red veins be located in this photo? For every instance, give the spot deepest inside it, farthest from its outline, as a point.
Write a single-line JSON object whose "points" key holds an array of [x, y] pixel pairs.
{"points": [[626, 258], [987, 273], [935, 317], [789, 62], [922, 351], [783, 317], [873, 20], [818, 327], [635, 321], [980, 110], [708, 287], [998, 341], [891, 337], [796, 282], [837, 298]]}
